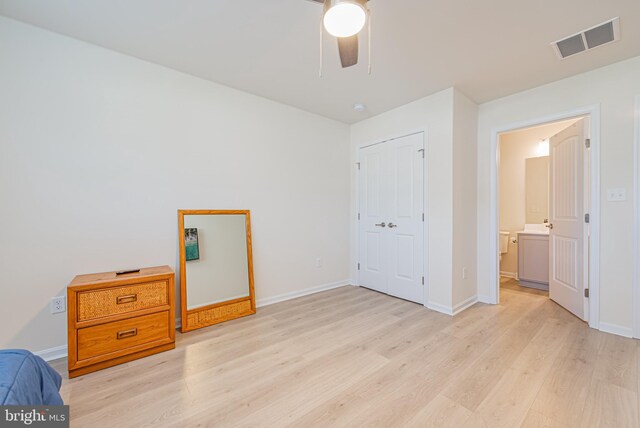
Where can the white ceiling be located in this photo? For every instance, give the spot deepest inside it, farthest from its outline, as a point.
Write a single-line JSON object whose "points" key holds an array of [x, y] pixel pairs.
{"points": [[487, 49]]}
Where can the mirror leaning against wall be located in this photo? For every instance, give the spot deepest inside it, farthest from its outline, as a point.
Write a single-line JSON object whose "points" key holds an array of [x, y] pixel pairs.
{"points": [[537, 190], [216, 267]]}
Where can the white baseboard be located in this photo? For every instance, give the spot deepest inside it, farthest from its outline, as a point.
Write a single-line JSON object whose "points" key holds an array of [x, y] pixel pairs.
{"points": [[300, 293], [443, 309], [616, 329], [513, 275], [465, 304], [292, 295], [53, 353], [61, 351], [453, 310], [485, 299]]}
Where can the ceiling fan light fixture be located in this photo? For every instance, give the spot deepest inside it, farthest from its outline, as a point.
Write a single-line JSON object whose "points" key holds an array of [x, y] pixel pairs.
{"points": [[344, 18]]}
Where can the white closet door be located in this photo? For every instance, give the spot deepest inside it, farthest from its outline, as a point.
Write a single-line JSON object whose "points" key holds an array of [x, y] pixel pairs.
{"points": [[405, 250], [391, 217], [566, 206], [373, 217]]}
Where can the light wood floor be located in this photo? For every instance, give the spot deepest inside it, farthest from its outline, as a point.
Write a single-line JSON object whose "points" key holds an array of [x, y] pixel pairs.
{"points": [[351, 357]]}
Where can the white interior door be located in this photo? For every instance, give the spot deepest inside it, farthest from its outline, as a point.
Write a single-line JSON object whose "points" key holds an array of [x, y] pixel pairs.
{"points": [[405, 251], [566, 217], [372, 218], [391, 217]]}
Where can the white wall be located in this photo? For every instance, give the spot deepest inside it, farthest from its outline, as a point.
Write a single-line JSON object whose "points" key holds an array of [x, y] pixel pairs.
{"points": [[433, 114], [465, 133], [92, 171], [450, 120], [93, 167], [613, 88]]}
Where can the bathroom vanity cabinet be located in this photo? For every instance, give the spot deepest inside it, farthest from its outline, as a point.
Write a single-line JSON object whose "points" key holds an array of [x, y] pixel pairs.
{"points": [[533, 260]]}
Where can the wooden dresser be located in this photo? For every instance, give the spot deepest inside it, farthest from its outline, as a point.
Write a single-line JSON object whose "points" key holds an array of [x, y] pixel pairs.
{"points": [[113, 318]]}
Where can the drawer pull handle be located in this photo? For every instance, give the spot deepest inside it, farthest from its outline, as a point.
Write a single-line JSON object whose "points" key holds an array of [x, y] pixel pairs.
{"points": [[126, 299], [127, 333]]}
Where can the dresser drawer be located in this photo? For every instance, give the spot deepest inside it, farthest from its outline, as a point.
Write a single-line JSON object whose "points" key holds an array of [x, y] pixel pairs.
{"points": [[120, 335], [105, 302]]}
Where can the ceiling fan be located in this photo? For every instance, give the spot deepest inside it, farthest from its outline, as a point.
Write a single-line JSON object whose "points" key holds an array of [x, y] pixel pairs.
{"points": [[344, 19]]}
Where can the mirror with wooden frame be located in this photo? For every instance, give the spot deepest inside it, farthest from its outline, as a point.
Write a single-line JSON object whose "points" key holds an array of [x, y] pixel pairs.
{"points": [[216, 268]]}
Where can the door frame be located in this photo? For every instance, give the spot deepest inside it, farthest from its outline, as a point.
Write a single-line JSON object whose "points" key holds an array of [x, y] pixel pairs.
{"points": [[425, 205], [636, 220], [593, 111]]}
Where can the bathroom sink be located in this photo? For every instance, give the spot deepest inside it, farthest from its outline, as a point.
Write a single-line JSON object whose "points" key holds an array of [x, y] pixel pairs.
{"points": [[535, 229]]}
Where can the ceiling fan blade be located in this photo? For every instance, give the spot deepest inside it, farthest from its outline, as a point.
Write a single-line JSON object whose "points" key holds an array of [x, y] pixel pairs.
{"points": [[348, 48]]}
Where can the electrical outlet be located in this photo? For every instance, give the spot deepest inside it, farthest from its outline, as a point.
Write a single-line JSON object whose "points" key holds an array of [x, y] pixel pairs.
{"points": [[58, 304], [318, 262]]}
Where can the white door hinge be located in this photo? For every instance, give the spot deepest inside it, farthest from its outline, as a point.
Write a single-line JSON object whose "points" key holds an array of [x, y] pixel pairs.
{"points": [[587, 143], [586, 293]]}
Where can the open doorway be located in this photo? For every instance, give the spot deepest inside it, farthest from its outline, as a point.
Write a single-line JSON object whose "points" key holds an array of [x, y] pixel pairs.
{"points": [[544, 188]]}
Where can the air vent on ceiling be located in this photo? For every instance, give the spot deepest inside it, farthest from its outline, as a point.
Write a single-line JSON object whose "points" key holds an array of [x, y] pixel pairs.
{"points": [[591, 38]]}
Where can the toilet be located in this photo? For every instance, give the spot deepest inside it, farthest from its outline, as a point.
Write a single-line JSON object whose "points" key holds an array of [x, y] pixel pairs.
{"points": [[504, 243]]}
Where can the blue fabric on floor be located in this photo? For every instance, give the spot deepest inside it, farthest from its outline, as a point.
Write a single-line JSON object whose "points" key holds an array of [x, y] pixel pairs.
{"points": [[26, 379]]}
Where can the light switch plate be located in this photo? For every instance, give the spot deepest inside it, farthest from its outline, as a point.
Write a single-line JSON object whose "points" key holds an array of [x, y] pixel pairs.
{"points": [[616, 195]]}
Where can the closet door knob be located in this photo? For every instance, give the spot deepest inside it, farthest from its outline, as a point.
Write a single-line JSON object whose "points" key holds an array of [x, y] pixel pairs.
{"points": [[391, 225], [383, 224]]}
